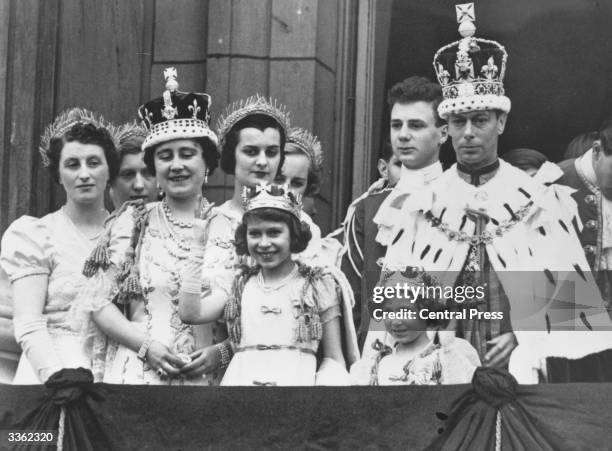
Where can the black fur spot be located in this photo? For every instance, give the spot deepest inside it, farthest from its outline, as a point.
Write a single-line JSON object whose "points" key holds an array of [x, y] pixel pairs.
{"points": [[442, 416], [425, 251], [585, 321], [463, 221], [525, 193], [542, 231], [501, 260], [512, 215], [563, 225], [398, 236], [412, 247], [494, 221], [442, 214], [547, 323], [437, 255], [550, 277], [530, 252], [580, 272]]}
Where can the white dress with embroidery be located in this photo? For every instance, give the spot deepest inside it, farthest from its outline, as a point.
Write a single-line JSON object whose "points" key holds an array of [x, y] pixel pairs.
{"points": [[163, 256], [52, 246], [268, 352], [453, 361], [221, 262]]}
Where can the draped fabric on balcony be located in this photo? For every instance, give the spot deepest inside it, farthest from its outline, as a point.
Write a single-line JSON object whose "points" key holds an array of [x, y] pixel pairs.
{"points": [[564, 416]]}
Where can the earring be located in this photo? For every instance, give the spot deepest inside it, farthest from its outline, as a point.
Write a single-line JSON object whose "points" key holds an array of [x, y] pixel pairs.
{"points": [[206, 177], [160, 192]]}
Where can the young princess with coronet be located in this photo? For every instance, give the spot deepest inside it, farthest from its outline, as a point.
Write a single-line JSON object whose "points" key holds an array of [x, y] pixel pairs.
{"points": [[414, 350], [280, 311]]}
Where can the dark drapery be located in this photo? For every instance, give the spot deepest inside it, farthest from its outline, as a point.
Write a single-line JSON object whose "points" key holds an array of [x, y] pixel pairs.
{"points": [[172, 418]]}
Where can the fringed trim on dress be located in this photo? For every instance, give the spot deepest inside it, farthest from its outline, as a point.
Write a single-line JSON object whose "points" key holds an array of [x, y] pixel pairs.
{"points": [[308, 327]]}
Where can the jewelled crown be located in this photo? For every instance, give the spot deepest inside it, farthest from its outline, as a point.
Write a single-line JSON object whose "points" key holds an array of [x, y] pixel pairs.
{"points": [[256, 104], [471, 71], [176, 115], [64, 122], [308, 144], [266, 195]]}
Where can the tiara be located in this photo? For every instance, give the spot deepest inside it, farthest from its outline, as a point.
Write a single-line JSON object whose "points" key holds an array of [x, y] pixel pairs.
{"points": [[471, 70], [307, 143], [256, 104], [64, 122], [266, 195], [129, 130]]}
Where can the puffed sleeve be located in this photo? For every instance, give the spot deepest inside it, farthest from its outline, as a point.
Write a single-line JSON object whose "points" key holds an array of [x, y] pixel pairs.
{"points": [[459, 361], [99, 288], [26, 249], [220, 259], [326, 294]]}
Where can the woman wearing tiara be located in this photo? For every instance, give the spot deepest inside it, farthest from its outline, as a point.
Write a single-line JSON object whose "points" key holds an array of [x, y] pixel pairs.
{"points": [[252, 135], [301, 170], [44, 257], [138, 263]]}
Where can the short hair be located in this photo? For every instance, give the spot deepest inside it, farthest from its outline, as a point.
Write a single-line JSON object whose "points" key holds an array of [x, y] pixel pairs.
{"points": [[313, 181], [84, 134], [605, 137], [258, 121], [386, 151], [417, 89], [130, 146], [524, 158], [209, 154], [299, 231], [580, 144]]}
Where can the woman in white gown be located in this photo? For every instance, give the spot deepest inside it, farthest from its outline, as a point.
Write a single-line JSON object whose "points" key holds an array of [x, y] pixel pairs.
{"points": [[138, 264], [44, 256]]}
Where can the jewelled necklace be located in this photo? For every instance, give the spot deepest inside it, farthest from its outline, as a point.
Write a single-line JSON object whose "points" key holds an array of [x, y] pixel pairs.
{"points": [[171, 219], [182, 243], [486, 237]]}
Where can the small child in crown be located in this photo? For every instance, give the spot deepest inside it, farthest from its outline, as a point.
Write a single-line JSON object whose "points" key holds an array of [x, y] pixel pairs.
{"points": [[414, 351], [281, 314]]}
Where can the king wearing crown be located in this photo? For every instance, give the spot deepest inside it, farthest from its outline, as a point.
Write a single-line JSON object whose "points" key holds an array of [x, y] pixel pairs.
{"points": [[484, 223]]}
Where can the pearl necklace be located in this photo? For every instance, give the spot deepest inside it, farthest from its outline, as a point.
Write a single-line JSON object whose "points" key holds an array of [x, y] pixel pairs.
{"points": [[171, 219]]}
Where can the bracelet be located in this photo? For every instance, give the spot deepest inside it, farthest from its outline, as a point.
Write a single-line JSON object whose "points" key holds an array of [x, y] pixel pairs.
{"points": [[225, 354], [192, 285], [142, 352]]}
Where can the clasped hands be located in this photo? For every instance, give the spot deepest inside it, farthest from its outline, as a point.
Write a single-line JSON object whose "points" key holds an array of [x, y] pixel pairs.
{"points": [[169, 364]]}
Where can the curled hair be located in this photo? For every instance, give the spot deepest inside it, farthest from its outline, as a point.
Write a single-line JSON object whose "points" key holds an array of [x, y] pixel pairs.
{"points": [[84, 134], [605, 137], [417, 89], [130, 146], [313, 181], [258, 121], [386, 151], [524, 158], [580, 144], [299, 231], [209, 154]]}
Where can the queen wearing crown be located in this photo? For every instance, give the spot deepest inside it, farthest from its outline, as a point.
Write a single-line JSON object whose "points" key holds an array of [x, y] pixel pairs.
{"points": [[135, 271], [43, 257]]}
